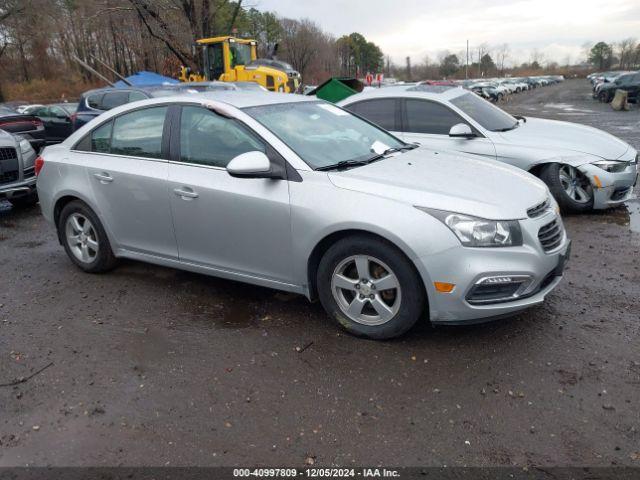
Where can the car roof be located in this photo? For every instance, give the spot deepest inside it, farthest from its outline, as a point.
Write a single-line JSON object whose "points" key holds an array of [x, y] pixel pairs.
{"points": [[407, 92]]}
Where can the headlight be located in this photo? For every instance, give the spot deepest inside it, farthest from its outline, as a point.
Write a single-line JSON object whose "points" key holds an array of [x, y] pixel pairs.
{"points": [[478, 232], [612, 166], [25, 146]]}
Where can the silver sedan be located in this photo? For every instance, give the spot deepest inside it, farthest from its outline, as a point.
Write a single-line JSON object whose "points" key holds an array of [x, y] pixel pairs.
{"points": [[297, 194]]}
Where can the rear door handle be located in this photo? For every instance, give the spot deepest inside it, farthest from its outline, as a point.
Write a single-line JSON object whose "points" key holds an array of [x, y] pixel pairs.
{"points": [[185, 193], [104, 177]]}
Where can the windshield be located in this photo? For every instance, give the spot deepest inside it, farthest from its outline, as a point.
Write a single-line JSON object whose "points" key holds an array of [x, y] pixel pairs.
{"points": [[323, 134], [483, 112], [240, 53]]}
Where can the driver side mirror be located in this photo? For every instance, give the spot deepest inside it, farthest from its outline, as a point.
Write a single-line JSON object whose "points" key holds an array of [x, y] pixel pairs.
{"points": [[252, 165], [461, 130]]}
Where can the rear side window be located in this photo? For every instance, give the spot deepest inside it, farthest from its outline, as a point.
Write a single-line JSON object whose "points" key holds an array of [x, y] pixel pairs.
{"points": [[95, 101], [424, 116], [139, 133], [114, 99], [101, 138], [382, 112], [210, 139]]}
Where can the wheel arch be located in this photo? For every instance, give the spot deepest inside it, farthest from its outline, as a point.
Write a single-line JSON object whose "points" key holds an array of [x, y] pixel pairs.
{"points": [[328, 240], [69, 196]]}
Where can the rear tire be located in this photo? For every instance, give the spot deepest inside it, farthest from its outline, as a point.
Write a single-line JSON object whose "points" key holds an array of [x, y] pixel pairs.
{"points": [[603, 97], [370, 288], [571, 189], [84, 239]]}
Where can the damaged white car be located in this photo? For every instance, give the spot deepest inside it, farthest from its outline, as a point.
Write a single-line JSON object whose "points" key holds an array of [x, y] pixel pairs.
{"points": [[585, 168]]}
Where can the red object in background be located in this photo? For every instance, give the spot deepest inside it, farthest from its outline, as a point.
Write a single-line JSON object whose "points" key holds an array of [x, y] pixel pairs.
{"points": [[369, 79]]}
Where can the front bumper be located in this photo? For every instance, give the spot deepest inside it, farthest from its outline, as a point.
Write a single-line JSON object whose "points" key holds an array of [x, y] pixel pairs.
{"points": [[611, 189], [465, 267], [18, 189]]}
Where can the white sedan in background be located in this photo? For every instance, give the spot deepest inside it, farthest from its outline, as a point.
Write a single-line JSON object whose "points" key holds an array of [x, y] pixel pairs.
{"points": [[585, 168]]}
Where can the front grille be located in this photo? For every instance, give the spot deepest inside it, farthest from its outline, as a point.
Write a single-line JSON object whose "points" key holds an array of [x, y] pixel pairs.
{"points": [[8, 165], [8, 177], [550, 235], [538, 210], [8, 153]]}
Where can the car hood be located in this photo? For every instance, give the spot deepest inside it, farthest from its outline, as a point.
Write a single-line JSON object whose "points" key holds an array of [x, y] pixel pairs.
{"points": [[443, 181], [566, 137]]}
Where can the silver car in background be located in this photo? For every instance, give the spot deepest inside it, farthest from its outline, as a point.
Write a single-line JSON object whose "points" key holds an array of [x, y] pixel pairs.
{"points": [[17, 170], [584, 167], [296, 194]]}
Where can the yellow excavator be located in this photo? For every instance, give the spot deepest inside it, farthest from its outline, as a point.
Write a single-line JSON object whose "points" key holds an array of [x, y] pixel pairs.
{"points": [[232, 59]]}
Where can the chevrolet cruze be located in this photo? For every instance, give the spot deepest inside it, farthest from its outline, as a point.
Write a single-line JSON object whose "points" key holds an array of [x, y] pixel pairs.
{"points": [[296, 194]]}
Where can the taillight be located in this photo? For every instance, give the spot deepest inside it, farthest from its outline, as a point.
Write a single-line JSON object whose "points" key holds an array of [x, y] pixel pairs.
{"points": [[37, 123], [73, 118], [38, 165]]}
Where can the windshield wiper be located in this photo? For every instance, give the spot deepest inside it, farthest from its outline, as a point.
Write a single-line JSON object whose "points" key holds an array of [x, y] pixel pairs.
{"points": [[513, 127], [344, 164]]}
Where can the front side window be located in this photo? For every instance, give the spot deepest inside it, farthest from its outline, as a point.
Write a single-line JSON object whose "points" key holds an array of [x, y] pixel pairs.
{"points": [[139, 133], [207, 138], [424, 116], [486, 114], [323, 134], [381, 112], [240, 53]]}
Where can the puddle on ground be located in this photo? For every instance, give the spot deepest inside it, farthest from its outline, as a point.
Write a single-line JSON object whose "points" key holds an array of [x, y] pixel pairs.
{"points": [[625, 215], [567, 107]]}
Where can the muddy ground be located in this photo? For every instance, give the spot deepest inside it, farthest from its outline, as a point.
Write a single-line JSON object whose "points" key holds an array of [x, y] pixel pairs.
{"points": [[152, 366]]}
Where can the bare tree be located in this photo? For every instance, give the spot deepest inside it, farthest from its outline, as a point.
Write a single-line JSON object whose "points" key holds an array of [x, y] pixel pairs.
{"points": [[502, 56]]}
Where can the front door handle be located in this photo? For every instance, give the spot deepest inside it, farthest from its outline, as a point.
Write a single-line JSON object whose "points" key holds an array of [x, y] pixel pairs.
{"points": [[103, 177], [185, 193]]}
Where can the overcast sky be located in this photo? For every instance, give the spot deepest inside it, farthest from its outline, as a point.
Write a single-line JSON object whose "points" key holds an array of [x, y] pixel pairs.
{"points": [[556, 28]]}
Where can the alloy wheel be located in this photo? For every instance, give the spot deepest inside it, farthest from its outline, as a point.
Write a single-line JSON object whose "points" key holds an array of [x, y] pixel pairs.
{"points": [[82, 238], [366, 290], [574, 184]]}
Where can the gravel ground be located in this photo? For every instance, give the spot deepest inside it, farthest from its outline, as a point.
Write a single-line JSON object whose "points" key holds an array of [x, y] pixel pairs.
{"points": [[152, 366]]}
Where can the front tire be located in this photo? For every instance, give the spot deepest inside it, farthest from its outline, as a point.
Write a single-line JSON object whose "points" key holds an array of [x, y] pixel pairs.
{"points": [[370, 288], [603, 97], [84, 238], [571, 189]]}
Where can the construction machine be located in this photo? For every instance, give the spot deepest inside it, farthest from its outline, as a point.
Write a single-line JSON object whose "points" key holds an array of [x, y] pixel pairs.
{"points": [[232, 59]]}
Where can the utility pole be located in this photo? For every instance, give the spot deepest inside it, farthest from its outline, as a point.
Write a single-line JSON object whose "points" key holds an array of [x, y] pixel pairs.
{"points": [[408, 69], [466, 69]]}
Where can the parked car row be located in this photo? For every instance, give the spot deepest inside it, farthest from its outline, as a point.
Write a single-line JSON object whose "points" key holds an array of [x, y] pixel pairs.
{"points": [[458, 203], [498, 89], [605, 85], [52, 123]]}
